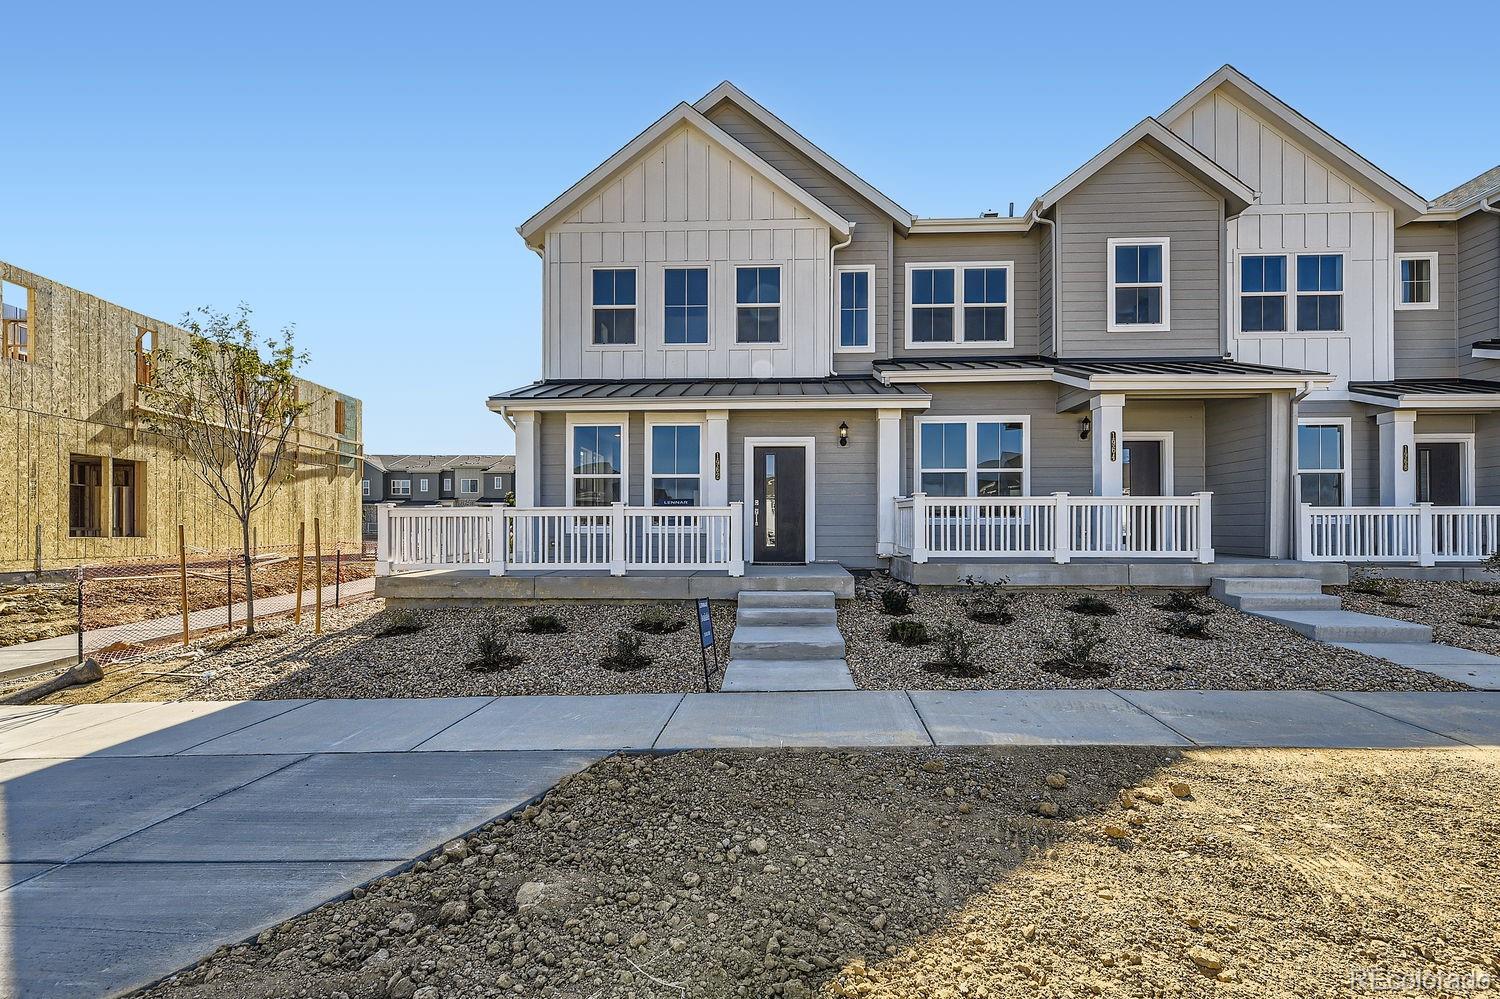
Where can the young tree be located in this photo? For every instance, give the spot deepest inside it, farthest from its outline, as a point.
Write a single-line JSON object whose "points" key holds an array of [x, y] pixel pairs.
{"points": [[227, 398]]}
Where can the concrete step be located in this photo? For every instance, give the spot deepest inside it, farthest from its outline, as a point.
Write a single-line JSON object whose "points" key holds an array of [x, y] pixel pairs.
{"points": [[787, 616], [787, 674], [786, 642], [786, 598], [1348, 626], [1222, 586], [1282, 601]]}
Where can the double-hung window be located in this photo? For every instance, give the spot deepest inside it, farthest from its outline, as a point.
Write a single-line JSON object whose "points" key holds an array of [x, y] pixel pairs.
{"points": [[596, 464], [499, 482], [421, 485], [1139, 285], [1320, 292], [401, 487], [930, 292], [675, 463], [959, 303], [614, 306], [686, 296], [468, 487], [364, 488], [1416, 276], [1263, 294], [1323, 463], [757, 304], [854, 308], [984, 457]]}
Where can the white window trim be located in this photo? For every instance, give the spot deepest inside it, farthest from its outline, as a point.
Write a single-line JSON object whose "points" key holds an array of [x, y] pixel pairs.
{"points": [[1432, 260], [971, 447], [1297, 280], [499, 482], [1167, 439], [1165, 326], [589, 308], [669, 421], [958, 342], [678, 265], [1347, 472], [422, 485], [809, 518], [621, 420], [1466, 460], [464, 490], [838, 308], [1240, 294], [364, 488], [781, 332], [401, 487], [447, 482]]}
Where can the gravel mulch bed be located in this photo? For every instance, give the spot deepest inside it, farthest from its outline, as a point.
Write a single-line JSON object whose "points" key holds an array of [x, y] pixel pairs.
{"points": [[1445, 606], [1243, 652], [353, 659], [1287, 874]]}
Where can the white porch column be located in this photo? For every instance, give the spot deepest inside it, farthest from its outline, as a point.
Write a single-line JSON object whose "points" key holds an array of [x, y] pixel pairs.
{"points": [[528, 467], [1398, 457], [1107, 410], [887, 478], [715, 469]]}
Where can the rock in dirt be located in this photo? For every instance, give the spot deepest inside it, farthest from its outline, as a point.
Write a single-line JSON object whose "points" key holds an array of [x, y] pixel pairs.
{"points": [[1180, 789], [1057, 781], [1206, 959]]}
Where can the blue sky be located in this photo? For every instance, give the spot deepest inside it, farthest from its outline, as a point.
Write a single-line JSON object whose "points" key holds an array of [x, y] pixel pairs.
{"points": [[359, 170]]}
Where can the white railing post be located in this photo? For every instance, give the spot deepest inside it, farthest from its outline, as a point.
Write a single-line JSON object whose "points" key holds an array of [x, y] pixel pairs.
{"points": [[383, 539], [499, 539], [737, 538], [1205, 527], [1304, 532], [617, 539], [1062, 532], [918, 527], [1424, 534]]}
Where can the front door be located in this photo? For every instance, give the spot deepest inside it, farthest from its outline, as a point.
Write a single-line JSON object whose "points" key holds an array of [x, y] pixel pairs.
{"points": [[1439, 480], [1140, 472], [778, 522]]}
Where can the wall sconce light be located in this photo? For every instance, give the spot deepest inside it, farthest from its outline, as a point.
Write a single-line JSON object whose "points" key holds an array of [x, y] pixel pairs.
{"points": [[843, 435], [1085, 425]]}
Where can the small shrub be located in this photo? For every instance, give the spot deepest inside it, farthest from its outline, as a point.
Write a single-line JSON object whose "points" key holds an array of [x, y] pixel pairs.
{"points": [[1075, 652], [624, 654], [1484, 589], [989, 602], [1487, 616], [658, 620], [1092, 606], [1491, 563], [1185, 625], [1399, 602], [1371, 585], [545, 624], [492, 650], [955, 653], [1184, 602], [401, 622], [895, 601], [908, 633]]}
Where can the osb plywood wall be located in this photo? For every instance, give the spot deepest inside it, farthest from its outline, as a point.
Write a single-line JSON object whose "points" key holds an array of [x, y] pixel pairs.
{"points": [[76, 396]]}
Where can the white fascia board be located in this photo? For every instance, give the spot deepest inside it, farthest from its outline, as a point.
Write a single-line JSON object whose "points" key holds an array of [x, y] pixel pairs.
{"points": [[1485, 353], [684, 112], [714, 402], [1486, 401], [970, 375], [1198, 383], [950, 227]]}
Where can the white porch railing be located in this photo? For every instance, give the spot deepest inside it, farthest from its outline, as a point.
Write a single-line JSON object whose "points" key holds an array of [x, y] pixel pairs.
{"points": [[615, 538], [1422, 534], [1059, 527]]}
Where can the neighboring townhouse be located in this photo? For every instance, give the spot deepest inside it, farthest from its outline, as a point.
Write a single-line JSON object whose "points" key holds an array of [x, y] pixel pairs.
{"points": [[88, 481], [435, 479], [1214, 338]]}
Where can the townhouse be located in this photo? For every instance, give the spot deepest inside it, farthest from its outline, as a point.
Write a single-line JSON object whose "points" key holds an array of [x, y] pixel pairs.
{"points": [[434, 479], [1227, 335]]}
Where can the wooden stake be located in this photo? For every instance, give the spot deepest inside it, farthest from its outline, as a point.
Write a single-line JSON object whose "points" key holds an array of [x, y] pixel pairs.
{"points": [[301, 564], [182, 573], [318, 582]]}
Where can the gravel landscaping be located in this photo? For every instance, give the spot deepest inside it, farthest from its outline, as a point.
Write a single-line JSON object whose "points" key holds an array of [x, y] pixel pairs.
{"points": [[1064, 872], [1463, 614], [1238, 651]]}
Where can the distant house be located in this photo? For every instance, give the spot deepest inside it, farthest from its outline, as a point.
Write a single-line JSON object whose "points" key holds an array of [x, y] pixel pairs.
{"points": [[435, 480]]}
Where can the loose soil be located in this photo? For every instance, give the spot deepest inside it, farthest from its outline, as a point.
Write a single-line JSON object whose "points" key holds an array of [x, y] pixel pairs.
{"points": [[1286, 874], [1441, 605]]}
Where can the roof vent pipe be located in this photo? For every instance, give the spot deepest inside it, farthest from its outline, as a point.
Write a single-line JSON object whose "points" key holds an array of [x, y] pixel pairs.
{"points": [[1012, 212]]}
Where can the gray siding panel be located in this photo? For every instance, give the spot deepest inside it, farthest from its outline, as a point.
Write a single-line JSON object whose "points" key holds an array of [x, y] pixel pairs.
{"points": [[1425, 343], [1138, 195], [1487, 459], [1044, 318], [1478, 293], [1186, 420], [1237, 471], [1021, 249]]}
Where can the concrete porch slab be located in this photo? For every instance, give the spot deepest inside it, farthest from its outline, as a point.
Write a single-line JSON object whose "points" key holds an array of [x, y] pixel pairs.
{"points": [[1038, 717], [347, 726], [356, 807], [1473, 718], [1291, 718], [160, 730], [806, 718], [601, 722], [784, 674]]}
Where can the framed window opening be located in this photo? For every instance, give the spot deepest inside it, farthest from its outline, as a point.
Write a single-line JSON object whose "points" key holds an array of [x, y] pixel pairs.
{"points": [[340, 417], [685, 306], [597, 459], [1320, 293], [674, 463], [983, 456], [959, 304], [145, 356], [364, 488], [127, 493], [1416, 281], [1323, 461], [757, 297], [1140, 285], [401, 487], [1263, 293], [854, 331], [15, 321], [613, 312], [85, 496]]}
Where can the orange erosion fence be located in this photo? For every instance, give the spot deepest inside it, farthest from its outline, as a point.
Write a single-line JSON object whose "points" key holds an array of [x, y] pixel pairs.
{"points": [[128, 610]]}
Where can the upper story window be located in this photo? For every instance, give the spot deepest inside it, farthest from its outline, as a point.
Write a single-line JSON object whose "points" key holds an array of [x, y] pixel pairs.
{"points": [[1263, 294], [468, 487], [674, 463], [15, 320], [1320, 292], [757, 304], [340, 417], [1139, 285], [969, 456], [933, 295], [401, 487], [854, 308], [596, 467], [145, 355], [614, 306], [448, 483], [364, 487], [422, 485], [1417, 280], [499, 483], [686, 297], [1323, 463]]}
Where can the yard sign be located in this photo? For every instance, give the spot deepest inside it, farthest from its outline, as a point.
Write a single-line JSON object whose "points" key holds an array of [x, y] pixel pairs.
{"points": [[706, 639]]}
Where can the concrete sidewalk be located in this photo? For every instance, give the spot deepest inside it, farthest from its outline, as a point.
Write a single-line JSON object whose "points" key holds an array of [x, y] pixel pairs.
{"points": [[159, 831]]}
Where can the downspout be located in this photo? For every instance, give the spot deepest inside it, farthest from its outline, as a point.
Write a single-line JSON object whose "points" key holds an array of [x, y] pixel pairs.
{"points": [[1291, 474], [1036, 217], [833, 299]]}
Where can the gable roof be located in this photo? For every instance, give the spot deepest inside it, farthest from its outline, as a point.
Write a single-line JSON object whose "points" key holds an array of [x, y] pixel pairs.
{"points": [[1408, 203], [1236, 194], [1471, 195], [727, 91], [681, 113]]}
